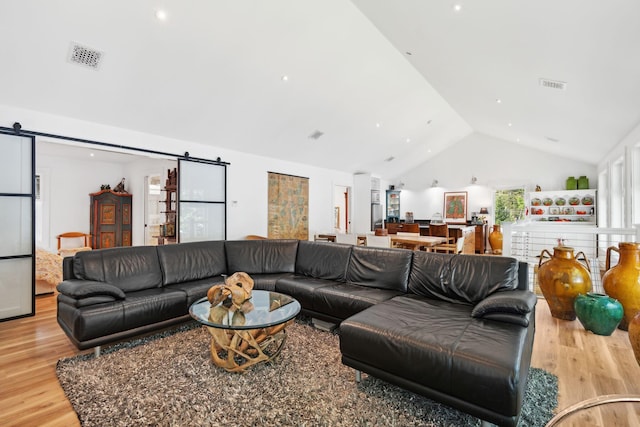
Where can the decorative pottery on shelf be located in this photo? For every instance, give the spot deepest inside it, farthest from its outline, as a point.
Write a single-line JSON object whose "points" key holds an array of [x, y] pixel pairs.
{"points": [[583, 183], [572, 183], [634, 336], [598, 313], [622, 281], [495, 240], [562, 278]]}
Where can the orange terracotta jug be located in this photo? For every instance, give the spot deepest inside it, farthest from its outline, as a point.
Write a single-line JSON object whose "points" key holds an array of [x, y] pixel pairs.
{"points": [[622, 281], [495, 239], [562, 278], [634, 336]]}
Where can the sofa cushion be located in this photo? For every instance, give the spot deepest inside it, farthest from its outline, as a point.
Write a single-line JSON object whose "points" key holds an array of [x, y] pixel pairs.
{"points": [[466, 279], [128, 268], [190, 261], [261, 256], [380, 268], [302, 288], [323, 260], [508, 306], [342, 300], [196, 289], [89, 288], [267, 282]]}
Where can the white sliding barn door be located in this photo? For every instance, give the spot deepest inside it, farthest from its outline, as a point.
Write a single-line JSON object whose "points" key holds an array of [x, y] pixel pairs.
{"points": [[202, 201], [17, 258]]}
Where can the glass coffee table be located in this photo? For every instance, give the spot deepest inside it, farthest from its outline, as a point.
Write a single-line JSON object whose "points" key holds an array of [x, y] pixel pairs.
{"points": [[254, 333]]}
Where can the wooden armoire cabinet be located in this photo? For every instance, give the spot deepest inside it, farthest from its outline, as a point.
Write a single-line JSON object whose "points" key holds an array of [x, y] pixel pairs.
{"points": [[110, 219]]}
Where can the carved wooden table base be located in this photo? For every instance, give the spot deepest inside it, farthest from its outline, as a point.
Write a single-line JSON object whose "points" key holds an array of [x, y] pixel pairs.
{"points": [[238, 349]]}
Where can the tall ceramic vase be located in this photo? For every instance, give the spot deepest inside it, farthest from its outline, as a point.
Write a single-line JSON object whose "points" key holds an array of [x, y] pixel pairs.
{"points": [[495, 239], [634, 336], [562, 277], [622, 281]]}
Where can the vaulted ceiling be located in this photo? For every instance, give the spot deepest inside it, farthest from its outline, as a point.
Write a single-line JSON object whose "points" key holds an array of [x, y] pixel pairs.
{"points": [[358, 86]]}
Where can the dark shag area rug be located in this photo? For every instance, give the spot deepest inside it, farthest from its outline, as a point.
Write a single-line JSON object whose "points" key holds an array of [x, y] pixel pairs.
{"points": [[168, 379]]}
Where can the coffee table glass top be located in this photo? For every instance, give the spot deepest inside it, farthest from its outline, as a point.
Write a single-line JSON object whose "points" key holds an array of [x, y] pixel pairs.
{"points": [[262, 310]]}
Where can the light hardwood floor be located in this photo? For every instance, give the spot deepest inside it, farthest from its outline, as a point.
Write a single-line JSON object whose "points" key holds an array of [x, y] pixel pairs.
{"points": [[587, 366]]}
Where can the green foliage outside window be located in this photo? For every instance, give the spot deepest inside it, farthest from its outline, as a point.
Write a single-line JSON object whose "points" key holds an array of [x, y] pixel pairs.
{"points": [[509, 205]]}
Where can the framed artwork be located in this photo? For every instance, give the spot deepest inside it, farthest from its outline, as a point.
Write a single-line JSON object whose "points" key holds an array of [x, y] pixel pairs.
{"points": [[455, 207], [288, 210]]}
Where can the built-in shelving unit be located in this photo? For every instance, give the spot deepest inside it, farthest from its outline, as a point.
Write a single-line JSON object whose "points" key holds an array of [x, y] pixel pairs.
{"points": [[168, 228], [563, 207]]}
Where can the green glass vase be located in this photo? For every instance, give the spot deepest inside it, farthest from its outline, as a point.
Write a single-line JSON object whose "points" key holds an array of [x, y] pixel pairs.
{"points": [[583, 183], [598, 313], [572, 183]]}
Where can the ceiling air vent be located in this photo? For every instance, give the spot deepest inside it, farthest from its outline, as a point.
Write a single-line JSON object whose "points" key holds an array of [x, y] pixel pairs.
{"points": [[86, 56], [389, 159], [553, 84]]}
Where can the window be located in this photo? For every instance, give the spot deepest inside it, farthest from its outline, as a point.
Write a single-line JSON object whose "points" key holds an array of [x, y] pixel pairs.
{"points": [[509, 205], [616, 187]]}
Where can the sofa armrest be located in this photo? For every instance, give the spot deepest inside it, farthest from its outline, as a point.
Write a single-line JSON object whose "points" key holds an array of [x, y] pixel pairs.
{"points": [[508, 306], [87, 288]]}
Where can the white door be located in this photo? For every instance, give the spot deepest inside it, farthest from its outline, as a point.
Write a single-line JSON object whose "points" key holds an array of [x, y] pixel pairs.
{"points": [[17, 207]]}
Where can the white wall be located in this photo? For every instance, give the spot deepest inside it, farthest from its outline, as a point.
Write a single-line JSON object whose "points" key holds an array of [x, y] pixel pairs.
{"points": [[246, 175], [496, 163]]}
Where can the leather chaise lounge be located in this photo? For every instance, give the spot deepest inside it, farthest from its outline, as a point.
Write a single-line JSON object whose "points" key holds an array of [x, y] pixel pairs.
{"points": [[456, 328]]}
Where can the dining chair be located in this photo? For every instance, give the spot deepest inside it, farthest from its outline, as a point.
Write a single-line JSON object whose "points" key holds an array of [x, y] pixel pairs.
{"points": [[440, 230], [71, 242], [378, 241], [412, 227], [407, 234], [350, 238], [452, 248]]}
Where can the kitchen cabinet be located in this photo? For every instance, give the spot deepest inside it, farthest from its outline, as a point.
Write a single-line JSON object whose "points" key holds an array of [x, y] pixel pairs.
{"points": [[393, 206]]}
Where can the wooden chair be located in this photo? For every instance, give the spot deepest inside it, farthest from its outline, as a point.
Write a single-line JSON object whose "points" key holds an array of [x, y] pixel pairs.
{"points": [[440, 230], [412, 227], [255, 237], [76, 242], [452, 248], [350, 239], [378, 241]]}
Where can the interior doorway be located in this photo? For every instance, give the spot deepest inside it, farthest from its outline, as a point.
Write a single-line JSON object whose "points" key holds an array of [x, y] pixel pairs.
{"points": [[152, 213], [341, 209]]}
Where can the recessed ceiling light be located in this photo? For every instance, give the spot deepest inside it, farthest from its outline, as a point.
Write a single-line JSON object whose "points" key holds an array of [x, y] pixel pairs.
{"points": [[498, 101], [509, 124], [285, 78], [91, 154], [161, 15], [517, 139], [457, 7], [429, 150], [408, 140], [408, 53], [377, 125]]}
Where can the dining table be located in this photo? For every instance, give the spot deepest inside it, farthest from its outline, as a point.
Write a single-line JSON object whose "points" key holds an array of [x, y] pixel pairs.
{"points": [[417, 242]]}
